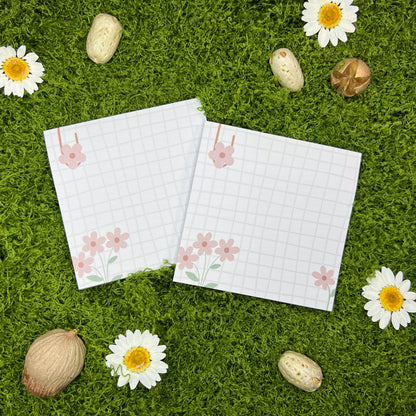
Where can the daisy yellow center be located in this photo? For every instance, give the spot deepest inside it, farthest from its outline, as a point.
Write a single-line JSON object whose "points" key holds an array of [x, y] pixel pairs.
{"points": [[16, 69], [329, 15], [137, 359], [391, 298]]}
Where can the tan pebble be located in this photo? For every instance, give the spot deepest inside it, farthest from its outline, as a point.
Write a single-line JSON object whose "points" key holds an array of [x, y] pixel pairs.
{"points": [[300, 370], [286, 68], [103, 38]]}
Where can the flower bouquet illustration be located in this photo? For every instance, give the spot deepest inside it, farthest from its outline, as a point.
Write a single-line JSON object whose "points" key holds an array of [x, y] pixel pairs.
{"points": [[94, 257], [210, 254], [325, 280]]}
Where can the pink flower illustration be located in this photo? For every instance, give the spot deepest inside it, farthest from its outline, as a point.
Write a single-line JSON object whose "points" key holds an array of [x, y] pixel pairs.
{"points": [[72, 156], [116, 240], [324, 278], [226, 250], [221, 155], [186, 258], [82, 264], [93, 244], [204, 244]]}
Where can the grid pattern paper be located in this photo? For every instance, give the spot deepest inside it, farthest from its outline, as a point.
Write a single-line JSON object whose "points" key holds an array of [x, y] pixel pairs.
{"points": [[267, 216], [123, 185]]}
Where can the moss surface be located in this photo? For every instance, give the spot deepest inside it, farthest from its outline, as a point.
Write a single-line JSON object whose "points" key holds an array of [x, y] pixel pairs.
{"points": [[222, 349]]}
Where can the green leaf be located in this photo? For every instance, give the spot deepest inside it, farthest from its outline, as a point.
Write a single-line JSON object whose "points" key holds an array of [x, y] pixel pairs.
{"points": [[192, 276], [332, 293], [119, 276], [112, 260], [95, 278], [211, 285], [215, 266]]}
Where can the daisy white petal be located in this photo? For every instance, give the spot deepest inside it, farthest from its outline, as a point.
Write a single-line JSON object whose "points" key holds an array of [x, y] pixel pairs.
{"points": [[385, 319], [371, 304], [138, 359], [21, 71], [31, 57], [341, 35], [122, 381], [3, 80], [333, 37], [160, 367], [370, 294], [409, 306], [20, 53], [10, 51], [29, 85], [375, 317], [323, 37], [409, 296], [147, 381], [404, 317], [9, 87], [347, 26], [311, 28], [395, 320], [116, 349], [404, 286], [388, 275]]}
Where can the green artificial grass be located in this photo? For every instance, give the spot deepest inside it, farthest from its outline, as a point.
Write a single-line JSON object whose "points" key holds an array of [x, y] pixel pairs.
{"points": [[222, 348]]}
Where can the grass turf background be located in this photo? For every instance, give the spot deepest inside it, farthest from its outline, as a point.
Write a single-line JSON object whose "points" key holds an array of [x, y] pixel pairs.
{"points": [[222, 349]]}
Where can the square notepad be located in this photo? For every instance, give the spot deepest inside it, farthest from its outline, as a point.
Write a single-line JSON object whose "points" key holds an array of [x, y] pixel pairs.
{"points": [[123, 185], [267, 216]]}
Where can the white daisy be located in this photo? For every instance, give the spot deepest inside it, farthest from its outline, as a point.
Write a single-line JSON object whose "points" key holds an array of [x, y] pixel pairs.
{"points": [[137, 358], [19, 72], [331, 18], [389, 298]]}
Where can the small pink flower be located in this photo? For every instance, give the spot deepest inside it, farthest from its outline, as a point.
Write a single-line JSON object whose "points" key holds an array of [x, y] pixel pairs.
{"points": [[186, 258], [93, 244], [82, 264], [116, 240], [324, 278], [226, 250], [205, 244], [221, 155], [72, 156]]}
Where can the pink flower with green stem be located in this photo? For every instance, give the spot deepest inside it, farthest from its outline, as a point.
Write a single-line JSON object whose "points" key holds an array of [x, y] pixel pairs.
{"points": [[186, 258], [324, 279], [82, 264], [204, 244], [116, 240], [93, 244], [226, 250]]}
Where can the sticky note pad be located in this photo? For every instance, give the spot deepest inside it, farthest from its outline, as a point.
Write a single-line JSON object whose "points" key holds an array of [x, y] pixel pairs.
{"points": [[267, 216], [123, 185]]}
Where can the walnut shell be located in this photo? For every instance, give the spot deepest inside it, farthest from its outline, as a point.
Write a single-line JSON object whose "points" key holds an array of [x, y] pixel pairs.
{"points": [[300, 370], [350, 77], [103, 38], [52, 362]]}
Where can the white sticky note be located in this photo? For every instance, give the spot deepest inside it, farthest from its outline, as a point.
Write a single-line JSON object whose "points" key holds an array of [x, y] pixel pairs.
{"points": [[123, 185], [268, 216]]}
